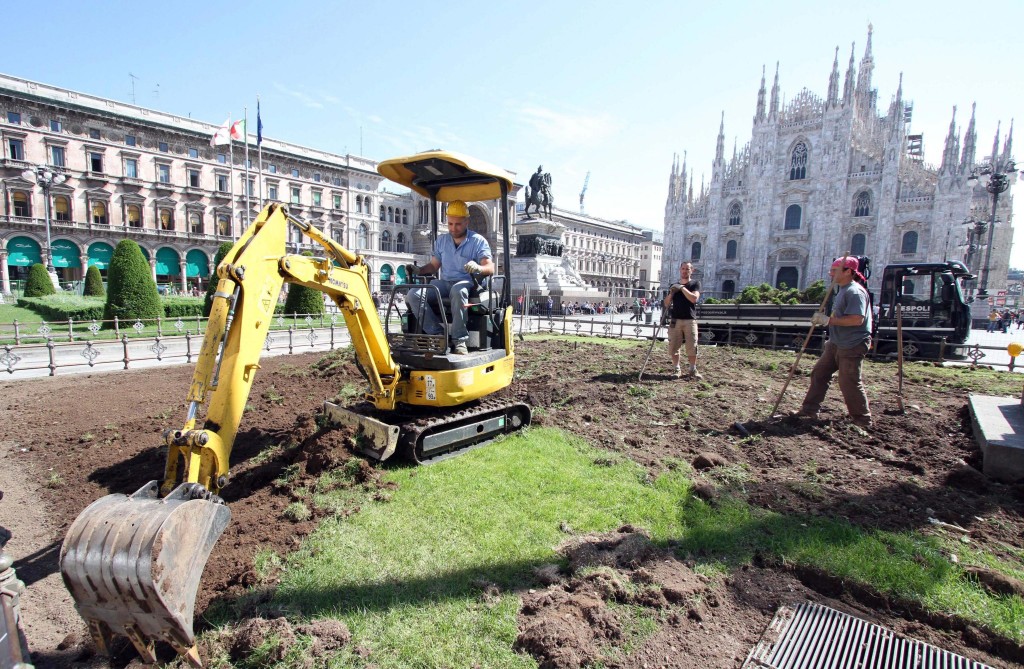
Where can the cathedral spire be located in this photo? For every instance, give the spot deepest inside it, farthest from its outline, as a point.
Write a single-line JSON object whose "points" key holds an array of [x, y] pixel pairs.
{"points": [[1008, 144], [995, 145], [720, 146], [850, 74], [867, 66], [774, 111], [833, 84], [759, 114], [949, 153], [970, 143]]}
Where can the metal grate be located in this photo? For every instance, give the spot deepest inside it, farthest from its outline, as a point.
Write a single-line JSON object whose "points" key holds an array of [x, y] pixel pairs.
{"points": [[810, 636]]}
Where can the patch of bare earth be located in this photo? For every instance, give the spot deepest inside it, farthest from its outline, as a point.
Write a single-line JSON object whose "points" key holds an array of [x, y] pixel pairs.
{"points": [[69, 440]]}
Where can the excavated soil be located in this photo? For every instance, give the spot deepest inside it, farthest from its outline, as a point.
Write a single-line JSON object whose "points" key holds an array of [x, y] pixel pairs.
{"points": [[68, 440]]}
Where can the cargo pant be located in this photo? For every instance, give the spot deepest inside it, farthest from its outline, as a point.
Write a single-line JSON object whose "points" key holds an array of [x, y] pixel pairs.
{"points": [[847, 362]]}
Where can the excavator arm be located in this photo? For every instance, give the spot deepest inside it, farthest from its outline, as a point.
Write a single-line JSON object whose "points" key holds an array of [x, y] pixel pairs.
{"points": [[133, 562]]}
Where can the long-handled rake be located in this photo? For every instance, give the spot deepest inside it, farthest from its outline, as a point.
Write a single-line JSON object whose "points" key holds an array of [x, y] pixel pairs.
{"points": [[654, 340]]}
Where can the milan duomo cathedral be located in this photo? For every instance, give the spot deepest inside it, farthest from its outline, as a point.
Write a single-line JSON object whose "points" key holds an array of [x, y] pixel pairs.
{"points": [[821, 177]]}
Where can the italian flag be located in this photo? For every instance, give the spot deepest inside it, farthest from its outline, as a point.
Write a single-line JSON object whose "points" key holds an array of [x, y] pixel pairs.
{"points": [[238, 130]]}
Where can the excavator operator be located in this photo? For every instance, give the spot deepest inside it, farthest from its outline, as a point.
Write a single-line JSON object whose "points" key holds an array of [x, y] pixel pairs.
{"points": [[458, 255]]}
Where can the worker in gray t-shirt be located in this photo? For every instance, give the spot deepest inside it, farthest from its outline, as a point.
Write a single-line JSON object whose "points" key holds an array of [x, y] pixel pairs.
{"points": [[849, 339]]}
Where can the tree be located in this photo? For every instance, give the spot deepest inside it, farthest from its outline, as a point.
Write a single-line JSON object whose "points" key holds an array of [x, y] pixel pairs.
{"points": [[302, 300], [94, 283], [39, 283], [211, 287], [132, 292]]}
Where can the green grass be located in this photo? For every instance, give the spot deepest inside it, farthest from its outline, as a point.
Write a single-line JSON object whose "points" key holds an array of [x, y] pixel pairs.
{"points": [[405, 574]]}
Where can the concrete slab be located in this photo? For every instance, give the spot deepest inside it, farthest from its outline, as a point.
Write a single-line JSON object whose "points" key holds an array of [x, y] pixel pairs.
{"points": [[998, 424]]}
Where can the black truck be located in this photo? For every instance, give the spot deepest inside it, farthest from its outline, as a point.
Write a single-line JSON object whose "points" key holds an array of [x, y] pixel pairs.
{"points": [[936, 317]]}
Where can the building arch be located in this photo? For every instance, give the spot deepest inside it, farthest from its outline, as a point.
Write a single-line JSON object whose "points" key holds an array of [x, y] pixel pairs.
{"points": [[787, 275], [168, 262], [385, 241], [100, 254], [66, 253], [696, 249], [23, 251]]}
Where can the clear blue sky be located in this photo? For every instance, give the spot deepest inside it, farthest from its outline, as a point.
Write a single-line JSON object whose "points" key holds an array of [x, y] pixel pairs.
{"points": [[612, 88]]}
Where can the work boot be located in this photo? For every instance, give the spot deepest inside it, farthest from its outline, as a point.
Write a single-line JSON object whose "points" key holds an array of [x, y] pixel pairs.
{"points": [[460, 348], [695, 375], [863, 422]]}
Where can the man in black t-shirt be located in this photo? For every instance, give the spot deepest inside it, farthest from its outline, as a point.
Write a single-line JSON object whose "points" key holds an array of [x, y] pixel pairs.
{"points": [[681, 302]]}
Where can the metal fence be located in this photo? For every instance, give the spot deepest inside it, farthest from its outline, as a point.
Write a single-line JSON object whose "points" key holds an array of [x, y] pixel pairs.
{"points": [[46, 349]]}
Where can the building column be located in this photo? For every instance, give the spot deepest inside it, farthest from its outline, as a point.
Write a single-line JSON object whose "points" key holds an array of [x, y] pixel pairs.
{"points": [[184, 277], [5, 274], [152, 266]]}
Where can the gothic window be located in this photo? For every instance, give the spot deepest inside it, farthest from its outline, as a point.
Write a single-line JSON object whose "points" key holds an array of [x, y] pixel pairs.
{"points": [[385, 241], [383, 212], [359, 204], [728, 288], [362, 239], [798, 162], [909, 243], [857, 244], [400, 243], [391, 215], [61, 208], [735, 214], [405, 217], [695, 252], [793, 215], [863, 205], [730, 250], [787, 277]]}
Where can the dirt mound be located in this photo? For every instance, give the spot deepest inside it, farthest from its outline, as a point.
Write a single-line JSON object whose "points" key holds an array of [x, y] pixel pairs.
{"points": [[570, 624], [261, 641]]}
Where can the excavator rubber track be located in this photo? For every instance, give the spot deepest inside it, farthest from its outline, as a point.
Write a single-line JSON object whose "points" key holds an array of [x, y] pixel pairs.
{"points": [[426, 436]]}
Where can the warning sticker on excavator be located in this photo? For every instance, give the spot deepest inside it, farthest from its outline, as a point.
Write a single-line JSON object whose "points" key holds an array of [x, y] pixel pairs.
{"points": [[431, 387]]}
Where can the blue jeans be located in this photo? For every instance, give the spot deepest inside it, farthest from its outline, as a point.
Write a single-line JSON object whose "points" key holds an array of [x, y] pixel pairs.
{"points": [[458, 294]]}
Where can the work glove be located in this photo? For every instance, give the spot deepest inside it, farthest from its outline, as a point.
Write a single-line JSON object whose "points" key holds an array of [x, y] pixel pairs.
{"points": [[674, 289], [819, 319], [471, 267], [412, 269]]}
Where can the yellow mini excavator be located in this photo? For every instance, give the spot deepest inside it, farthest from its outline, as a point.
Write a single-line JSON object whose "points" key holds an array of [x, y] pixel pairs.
{"points": [[133, 562]]}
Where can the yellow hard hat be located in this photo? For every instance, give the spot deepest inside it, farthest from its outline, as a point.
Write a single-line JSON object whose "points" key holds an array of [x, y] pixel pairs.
{"points": [[458, 208]]}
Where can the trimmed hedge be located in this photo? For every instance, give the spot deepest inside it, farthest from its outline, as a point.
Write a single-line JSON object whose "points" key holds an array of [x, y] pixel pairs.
{"points": [[182, 307], [63, 307], [94, 283], [303, 300], [211, 286], [132, 292], [39, 283]]}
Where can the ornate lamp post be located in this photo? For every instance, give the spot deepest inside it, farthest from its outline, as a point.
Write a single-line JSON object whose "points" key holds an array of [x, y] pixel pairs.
{"points": [[975, 237], [996, 177], [46, 178]]}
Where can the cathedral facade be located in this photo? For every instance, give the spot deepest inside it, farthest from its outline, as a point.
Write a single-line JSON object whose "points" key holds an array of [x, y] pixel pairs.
{"points": [[821, 177]]}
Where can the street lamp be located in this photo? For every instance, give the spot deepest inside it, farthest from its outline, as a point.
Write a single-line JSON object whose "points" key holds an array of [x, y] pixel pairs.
{"points": [[996, 177], [975, 237], [46, 178]]}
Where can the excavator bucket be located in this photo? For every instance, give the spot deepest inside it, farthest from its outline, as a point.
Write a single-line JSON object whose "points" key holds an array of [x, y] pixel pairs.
{"points": [[132, 563], [374, 438]]}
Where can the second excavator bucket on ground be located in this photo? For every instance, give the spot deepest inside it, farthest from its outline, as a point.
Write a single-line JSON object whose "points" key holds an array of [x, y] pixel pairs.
{"points": [[133, 563]]}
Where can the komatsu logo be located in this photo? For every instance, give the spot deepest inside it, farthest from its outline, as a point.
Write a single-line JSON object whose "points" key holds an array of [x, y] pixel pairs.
{"points": [[339, 284]]}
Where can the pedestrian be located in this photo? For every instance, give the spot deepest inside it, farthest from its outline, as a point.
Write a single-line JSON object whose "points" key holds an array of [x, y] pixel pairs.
{"points": [[993, 318], [551, 305], [682, 300], [458, 255], [849, 338]]}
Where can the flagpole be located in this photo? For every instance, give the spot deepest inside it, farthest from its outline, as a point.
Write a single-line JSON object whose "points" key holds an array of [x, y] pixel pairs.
{"points": [[245, 124], [231, 166], [259, 147]]}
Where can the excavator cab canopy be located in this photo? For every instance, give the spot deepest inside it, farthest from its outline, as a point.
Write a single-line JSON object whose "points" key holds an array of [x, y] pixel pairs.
{"points": [[445, 176]]}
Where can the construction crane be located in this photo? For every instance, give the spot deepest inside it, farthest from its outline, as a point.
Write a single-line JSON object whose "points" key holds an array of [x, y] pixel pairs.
{"points": [[584, 191]]}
